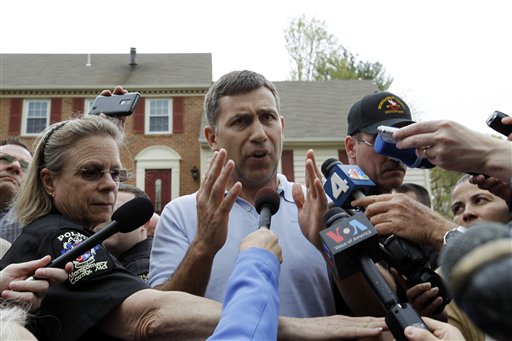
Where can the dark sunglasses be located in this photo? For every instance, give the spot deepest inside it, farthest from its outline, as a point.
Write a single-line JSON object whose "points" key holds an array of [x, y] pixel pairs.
{"points": [[7, 159], [95, 174]]}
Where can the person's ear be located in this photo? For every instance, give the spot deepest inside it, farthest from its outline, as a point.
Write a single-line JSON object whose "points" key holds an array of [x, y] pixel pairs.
{"points": [[47, 180], [211, 138], [350, 148]]}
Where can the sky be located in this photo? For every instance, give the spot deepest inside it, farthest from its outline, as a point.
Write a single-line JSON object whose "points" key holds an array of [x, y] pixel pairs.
{"points": [[450, 59]]}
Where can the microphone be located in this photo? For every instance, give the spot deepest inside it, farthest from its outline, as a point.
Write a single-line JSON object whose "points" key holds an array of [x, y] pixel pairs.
{"points": [[126, 218], [267, 204], [407, 156], [478, 267], [351, 244], [344, 182]]}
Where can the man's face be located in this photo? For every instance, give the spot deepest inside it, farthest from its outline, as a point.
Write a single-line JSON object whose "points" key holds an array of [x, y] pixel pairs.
{"points": [[251, 130], [13, 165], [385, 172]]}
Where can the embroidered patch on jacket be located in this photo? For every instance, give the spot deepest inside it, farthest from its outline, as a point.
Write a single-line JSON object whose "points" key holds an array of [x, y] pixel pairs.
{"points": [[90, 264]]}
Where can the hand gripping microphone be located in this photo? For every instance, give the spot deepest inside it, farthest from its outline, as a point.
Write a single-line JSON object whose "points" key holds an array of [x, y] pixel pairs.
{"points": [[478, 268], [267, 204], [351, 244], [407, 156], [344, 182], [126, 218]]}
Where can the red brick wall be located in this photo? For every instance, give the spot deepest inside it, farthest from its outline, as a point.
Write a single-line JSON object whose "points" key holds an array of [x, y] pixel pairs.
{"points": [[185, 143]]}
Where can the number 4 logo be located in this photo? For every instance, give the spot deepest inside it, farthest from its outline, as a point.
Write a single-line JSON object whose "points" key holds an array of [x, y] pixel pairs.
{"points": [[339, 186]]}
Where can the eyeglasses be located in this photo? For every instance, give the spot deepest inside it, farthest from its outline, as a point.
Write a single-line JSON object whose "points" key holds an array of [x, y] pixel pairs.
{"points": [[368, 143], [6, 159], [95, 174]]}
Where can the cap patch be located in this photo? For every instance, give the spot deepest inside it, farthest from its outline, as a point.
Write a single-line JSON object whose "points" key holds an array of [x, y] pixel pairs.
{"points": [[392, 105]]}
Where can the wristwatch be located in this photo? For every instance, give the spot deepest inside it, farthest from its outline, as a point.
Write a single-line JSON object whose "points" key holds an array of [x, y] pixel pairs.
{"points": [[449, 235]]}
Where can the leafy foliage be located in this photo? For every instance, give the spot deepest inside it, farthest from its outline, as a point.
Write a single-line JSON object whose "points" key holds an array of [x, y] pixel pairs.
{"points": [[442, 182], [316, 54]]}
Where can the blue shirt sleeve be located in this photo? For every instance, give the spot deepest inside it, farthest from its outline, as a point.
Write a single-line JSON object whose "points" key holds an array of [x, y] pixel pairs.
{"points": [[251, 307]]}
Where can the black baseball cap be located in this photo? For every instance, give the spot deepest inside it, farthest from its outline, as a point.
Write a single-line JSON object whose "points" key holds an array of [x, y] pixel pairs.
{"points": [[378, 108]]}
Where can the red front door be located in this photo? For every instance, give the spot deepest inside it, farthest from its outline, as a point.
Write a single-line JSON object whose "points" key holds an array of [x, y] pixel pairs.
{"points": [[158, 187]]}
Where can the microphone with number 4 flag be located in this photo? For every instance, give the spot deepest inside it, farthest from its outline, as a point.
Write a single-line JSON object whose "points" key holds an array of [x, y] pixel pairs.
{"points": [[345, 182]]}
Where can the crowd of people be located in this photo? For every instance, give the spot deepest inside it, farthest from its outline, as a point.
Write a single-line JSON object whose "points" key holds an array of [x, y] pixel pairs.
{"points": [[207, 271]]}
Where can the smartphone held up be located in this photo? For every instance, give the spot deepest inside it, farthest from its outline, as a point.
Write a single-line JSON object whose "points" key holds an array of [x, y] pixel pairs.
{"points": [[115, 105], [494, 121]]}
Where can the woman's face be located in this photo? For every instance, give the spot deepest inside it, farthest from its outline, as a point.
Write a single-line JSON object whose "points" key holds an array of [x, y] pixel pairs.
{"points": [[470, 205], [86, 189]]}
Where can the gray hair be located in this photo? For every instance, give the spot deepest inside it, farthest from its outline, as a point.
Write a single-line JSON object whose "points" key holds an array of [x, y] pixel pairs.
{"points": [[136, 191], [51, 151], [12, 314], [234, 83]]}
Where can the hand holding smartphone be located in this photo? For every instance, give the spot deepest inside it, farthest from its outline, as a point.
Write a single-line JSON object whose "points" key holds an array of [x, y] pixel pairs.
{"points": [[494, 121], [115, 105], [386, 133]]}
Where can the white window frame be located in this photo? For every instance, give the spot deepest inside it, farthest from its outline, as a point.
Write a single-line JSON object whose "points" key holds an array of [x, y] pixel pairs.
{"points": [[88, 104], [147, 116], [26, 103]]}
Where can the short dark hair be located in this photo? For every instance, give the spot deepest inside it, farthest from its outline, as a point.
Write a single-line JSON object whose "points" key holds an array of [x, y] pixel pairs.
{"points": [[234, 83], [15, 141], [420, 191], [124, 187]]}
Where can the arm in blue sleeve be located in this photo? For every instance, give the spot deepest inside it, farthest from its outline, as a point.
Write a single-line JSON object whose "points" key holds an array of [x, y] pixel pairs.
{"points": [[251, 305]]}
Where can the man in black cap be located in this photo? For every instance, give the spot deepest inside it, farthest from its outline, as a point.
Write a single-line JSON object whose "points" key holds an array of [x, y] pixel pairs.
{"points": [[390, 213], [378, 108], [386, 211]]}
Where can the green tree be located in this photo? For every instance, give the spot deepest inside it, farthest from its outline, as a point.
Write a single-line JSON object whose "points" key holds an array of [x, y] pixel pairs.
{"points": [[442, 182], [316, 54]]}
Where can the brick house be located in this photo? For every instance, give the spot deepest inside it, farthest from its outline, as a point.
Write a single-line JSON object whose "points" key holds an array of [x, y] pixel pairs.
{"points": [[165, 148]]}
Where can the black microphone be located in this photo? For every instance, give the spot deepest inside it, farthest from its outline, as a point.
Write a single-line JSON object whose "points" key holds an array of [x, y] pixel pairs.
{"points": [[478, 267], [346, 182], [126, 218], [351, 244], [267, 204]]}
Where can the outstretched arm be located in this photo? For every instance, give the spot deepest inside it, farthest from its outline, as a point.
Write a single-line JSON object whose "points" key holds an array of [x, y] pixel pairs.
{"points": [[251, 305], [453, 146], [157, 315]]}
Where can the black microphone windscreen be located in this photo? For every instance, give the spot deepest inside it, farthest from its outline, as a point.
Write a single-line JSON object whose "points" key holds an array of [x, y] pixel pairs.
{"points": [[133, 214], [333, 214], [478, 267], [463, 244], [269, 197], [326, 166]]}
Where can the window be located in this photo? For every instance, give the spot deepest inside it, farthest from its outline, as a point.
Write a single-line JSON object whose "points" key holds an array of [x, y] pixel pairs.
{"points": [[158, 116], [36, 115], [87, 105]]}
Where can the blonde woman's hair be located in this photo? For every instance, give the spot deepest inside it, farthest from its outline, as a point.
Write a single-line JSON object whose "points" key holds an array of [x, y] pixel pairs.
{"points": [[52, 151]]}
